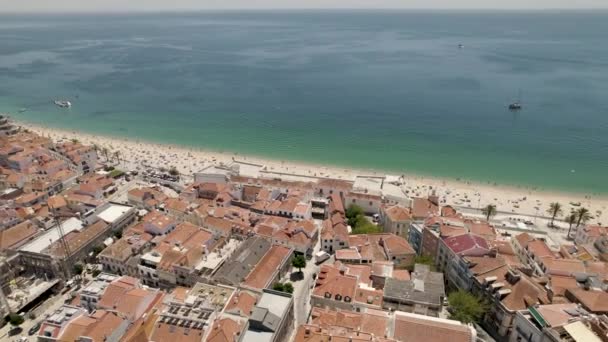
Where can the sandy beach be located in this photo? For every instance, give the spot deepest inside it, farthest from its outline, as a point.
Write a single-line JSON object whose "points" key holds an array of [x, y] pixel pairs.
{"points": [[136, 154]]}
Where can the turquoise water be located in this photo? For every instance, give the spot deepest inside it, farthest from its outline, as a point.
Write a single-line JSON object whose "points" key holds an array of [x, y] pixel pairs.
{"points": [[381, 90]]}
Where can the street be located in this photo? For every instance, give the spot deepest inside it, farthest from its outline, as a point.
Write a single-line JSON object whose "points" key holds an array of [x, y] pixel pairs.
{"points": [[47, 307]]}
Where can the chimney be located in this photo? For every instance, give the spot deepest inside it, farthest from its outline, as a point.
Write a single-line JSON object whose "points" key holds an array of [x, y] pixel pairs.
{"points": [[513, 276]]}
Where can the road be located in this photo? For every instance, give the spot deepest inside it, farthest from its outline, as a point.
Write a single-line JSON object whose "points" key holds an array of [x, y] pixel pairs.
{"points": [[302, 290], [47, 307]]}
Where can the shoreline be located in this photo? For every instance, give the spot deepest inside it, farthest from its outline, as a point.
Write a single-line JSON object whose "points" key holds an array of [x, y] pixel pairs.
{"points": [[456, 191]]}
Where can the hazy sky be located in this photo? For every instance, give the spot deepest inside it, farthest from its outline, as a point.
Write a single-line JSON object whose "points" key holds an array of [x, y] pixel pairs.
{"points": [[155, 5]]}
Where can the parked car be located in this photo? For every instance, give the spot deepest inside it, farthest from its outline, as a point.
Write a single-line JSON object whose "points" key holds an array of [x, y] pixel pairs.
{"points": [[321, 256], [34, 329]]}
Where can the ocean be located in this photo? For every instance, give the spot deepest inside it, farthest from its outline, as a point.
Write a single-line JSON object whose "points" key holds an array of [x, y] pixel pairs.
{"points": [[376, 90]]}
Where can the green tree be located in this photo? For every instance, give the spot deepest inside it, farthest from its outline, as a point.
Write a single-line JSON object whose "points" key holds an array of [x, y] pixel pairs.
{"points": [[278, 287], [555, 209], [465, 307], [15, 319], [97, 249], [425, 260], [75, 141], [78, 268], [299, 262], [571, 219], [288, 287], [95, 273], [365, 228], [354, 210], [489, 210], [118, 234], [582, 216]]}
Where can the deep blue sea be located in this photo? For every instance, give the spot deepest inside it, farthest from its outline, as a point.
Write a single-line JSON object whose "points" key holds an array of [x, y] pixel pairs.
{"points": [[381, 90]]}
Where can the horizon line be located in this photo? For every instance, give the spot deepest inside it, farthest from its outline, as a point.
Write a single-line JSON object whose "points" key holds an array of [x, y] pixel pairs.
{"points": [[304, 9]]}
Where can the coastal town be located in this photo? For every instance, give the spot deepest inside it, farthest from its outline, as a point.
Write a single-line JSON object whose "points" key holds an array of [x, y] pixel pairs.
{"points": [[110, 240]]}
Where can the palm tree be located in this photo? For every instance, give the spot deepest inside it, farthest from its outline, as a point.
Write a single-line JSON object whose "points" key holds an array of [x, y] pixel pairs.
{"points": [[555, 209], [582, 216], [571, 219], [116, 156], [105, 152], [489, 210]]}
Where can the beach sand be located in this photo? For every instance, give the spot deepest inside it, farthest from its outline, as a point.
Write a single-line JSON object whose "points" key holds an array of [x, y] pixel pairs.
{"points": [[136, 153]]}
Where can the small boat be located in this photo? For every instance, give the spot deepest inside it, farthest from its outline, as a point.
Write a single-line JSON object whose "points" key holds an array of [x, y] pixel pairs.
{"points": [[21, 110], [63, 103], [515, 106], [460, 46]]}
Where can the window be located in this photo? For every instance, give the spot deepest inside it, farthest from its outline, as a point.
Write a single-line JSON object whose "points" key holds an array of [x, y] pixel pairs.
{"points": [[354, 200], [370, 203]]}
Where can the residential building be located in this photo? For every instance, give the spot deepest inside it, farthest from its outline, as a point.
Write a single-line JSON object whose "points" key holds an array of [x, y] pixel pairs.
{"points": [[175, 258], [507, 291], [592, 300], [451, 248], [337, 287], [334, 233], [409, 327], [422, 208], [327, 324], [538, 323], [272, 318], [242, 261], [366, 248], [414, 237], [423, 294], [120, 257], [589, 234], [273, 265], [396, 219]]}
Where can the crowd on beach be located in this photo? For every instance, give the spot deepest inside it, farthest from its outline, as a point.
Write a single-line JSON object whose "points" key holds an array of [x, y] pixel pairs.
{"points": [[134, 154]]}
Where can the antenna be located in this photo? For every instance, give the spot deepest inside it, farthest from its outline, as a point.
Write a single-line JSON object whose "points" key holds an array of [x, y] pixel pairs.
{"points": [[64, 243]]}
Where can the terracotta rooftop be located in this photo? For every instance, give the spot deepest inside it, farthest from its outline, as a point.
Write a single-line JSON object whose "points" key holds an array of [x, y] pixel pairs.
{"points": [[331, 282], [481, 228], [96, 326], [462, 244], [17, 235], [523, 239], [170, 332], [397, 245], [263, 272], [224, 330], [241, 303], [372, 322], [524, 291], [563, 266], [557, 314], [398, 213], [594, 301], [56, 202], [423, 208], [79, 239], [416, 328], [539, 249], [559, 284]]}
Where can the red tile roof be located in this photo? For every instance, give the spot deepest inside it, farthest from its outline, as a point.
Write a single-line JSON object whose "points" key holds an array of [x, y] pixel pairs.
{"points": [[261, 275], [467, 242], [416, 328]]}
